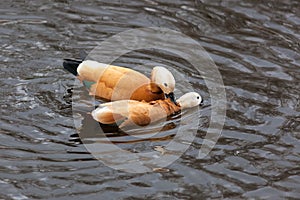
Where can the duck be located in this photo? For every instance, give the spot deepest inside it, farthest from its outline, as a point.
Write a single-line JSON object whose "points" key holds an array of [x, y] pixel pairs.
{"points": [[131, 112], [113, 83]]}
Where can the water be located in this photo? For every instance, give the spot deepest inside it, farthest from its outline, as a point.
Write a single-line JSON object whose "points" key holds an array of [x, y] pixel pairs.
{"points": [[256, 48]]}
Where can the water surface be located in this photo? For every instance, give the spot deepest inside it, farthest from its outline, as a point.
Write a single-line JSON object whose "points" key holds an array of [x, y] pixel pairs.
{"points": [[256, 48]]}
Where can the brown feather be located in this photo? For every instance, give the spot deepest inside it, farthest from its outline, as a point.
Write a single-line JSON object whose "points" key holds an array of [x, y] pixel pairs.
{"points": [[135, 112], [143, 113], [117, 83]]}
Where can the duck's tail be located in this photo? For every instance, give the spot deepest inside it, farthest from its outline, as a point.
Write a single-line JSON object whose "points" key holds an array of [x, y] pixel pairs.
{"points": [[71, 65]]}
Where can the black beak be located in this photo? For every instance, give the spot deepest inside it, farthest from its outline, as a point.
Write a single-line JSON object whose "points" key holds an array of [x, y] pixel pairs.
{"points": [[171, 97], [201, 103]]}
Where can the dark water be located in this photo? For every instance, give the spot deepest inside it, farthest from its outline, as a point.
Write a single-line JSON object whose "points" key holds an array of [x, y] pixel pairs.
{"points": [[256, 48]]}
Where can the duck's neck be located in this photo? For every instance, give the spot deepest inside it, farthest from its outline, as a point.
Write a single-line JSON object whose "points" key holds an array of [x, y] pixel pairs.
{"points": [[154, 88], [169, 106]]}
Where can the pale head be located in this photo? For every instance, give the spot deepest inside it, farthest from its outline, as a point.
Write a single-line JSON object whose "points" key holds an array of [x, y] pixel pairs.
{"points": [[189, 100], [164, 79]]}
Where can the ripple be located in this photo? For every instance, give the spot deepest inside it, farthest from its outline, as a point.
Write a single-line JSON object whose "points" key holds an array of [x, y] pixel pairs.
{"points": [[256, 48]]}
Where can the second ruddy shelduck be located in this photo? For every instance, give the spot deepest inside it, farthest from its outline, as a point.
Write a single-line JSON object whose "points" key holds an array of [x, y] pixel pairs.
{"points": [[130, 112], [119, 83]]}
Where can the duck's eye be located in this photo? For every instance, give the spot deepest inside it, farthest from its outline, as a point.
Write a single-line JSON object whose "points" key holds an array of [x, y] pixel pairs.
{"points": [[198, 97], [165, 84]]}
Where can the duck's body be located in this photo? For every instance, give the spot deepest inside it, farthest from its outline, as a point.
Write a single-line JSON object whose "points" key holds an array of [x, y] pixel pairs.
{"points": [[131, 112], [118, 83]]}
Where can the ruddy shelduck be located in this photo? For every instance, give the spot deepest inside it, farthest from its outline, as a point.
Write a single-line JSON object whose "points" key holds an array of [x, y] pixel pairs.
{"points": [[131, 112], [119, 83]]}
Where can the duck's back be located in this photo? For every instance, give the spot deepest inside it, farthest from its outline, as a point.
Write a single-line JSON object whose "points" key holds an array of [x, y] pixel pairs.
{"points": [[142, 113], [112, 82], [132, 113], [117, 83]]}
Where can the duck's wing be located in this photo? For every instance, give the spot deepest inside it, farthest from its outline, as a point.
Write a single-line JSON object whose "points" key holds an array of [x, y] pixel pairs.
{"points": [[112, 82], [90, 70], [143, 113], [105, 115], [107, 81], [117, 83], [112, 112], [131, 112]]}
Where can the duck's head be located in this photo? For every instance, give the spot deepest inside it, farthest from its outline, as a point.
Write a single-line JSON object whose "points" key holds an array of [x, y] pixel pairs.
{"points": [[165, 80], [190, 100]]}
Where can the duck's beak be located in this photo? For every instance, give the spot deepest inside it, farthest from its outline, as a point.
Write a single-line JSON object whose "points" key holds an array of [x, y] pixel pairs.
{"points": [[201, 103], [171, 97]]}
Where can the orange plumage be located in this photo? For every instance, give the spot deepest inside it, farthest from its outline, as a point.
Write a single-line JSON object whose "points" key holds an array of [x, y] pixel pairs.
{"points": [[142, 113], [119, 83]]}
